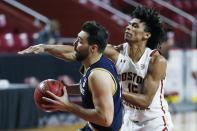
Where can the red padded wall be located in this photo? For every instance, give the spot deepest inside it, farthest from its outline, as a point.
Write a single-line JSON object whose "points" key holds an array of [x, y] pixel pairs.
{"points": [[71, 15]]}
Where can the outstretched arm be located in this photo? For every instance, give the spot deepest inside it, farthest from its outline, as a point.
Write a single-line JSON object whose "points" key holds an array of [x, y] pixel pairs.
{"points": [[65, 52], [155, 74]]}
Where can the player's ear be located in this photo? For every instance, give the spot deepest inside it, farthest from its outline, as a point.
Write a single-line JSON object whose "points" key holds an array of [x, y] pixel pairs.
{"points": [[93, 47], [147, 35]]}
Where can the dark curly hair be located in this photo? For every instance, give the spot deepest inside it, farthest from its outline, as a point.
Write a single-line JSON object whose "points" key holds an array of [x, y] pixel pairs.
{"points": [[152, 24], [97, 34]]}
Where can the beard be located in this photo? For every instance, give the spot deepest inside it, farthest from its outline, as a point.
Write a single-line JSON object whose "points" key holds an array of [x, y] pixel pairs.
{"points": [[81, 56]]}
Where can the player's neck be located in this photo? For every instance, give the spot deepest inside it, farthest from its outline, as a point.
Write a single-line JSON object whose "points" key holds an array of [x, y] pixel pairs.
{"points": [[92, 59], [135, 51]]}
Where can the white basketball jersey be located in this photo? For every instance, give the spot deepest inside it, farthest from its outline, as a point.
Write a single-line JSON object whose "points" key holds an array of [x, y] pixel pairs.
{"points": [[132, 78]]}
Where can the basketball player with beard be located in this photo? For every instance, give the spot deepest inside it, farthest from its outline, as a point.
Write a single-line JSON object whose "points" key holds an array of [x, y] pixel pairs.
{"points": [[101, 103]]}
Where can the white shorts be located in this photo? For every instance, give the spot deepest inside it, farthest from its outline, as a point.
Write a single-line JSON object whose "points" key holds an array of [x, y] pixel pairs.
{"points": [[156, 124]]}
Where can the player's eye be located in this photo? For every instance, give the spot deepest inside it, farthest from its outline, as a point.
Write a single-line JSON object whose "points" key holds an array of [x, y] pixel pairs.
{"points": [[135, 25]]}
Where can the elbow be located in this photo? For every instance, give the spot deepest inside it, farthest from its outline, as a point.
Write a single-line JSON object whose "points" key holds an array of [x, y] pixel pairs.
{"points": [[107, 121], [145, 104]]}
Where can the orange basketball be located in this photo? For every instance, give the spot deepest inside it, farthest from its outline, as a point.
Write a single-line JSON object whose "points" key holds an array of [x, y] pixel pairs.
{"points": [[55, 86]]}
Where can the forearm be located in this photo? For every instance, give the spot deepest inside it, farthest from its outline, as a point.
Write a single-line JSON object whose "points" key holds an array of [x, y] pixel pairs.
{"points": [[140, 100], [59, 51], [91, 115]]}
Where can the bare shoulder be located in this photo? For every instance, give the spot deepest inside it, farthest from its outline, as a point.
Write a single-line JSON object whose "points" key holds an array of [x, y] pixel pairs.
{"points": [[119, 47], [157, 66], [99, 73], [157, 58], [99, 78]]}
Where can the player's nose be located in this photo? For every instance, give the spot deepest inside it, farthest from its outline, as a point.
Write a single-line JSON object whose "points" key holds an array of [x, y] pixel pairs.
{"points": [[128, 27], [75, 44]]}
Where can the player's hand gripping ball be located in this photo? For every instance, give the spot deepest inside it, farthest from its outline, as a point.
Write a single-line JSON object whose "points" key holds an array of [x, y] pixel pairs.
{"points": [[54, 86]]}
